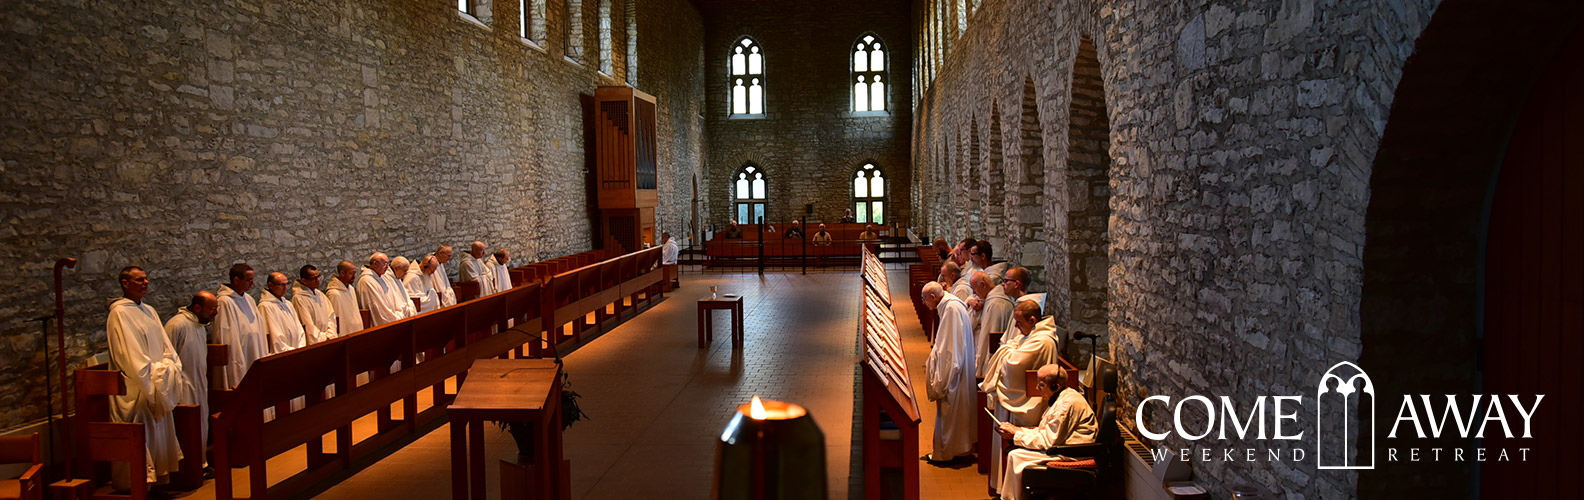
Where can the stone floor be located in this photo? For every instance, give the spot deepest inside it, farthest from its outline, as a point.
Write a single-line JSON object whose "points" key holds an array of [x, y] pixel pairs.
{"points": [[657, 403]]}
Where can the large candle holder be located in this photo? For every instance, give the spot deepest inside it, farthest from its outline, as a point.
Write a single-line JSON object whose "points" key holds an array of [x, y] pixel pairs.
{"points": [[770, 450]]}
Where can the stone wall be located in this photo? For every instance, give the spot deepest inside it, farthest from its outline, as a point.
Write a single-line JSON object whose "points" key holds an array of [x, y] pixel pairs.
{"points": [[809, 142], [1240, 138], [183, 137]]}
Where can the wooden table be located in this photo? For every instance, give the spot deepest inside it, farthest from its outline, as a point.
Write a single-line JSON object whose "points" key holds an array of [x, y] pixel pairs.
{"points": [[706, 320], [522, 390]]}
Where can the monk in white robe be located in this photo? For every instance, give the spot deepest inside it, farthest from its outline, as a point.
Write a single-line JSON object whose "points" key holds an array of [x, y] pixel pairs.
{"points": [[344, 300], [949, 274], [239, 325], [384, 297], [500, 271], [979, 258], [190, 339], [418, 283], [1007, 388], [281, 324], [1068, 421], [153, 374], [313, 308], [476, 268], [441, 281], [981, 283], [950, 375], [995, 317]]}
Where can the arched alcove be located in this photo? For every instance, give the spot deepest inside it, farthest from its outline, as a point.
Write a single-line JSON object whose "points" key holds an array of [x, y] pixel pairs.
{"points": [[1031, 190], [1088, 200], [976, 185], [1003, 195], [1455, 116]]}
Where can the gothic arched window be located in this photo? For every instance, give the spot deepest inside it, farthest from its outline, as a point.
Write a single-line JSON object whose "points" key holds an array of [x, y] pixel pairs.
{"points": [[868, 69], [747, 78], [748, 189], [869, 193]]}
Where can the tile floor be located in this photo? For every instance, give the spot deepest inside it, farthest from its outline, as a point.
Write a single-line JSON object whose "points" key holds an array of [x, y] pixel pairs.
{"points": [[657, 403]]}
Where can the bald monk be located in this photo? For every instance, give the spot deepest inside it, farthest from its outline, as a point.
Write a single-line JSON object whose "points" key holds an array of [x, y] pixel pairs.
{"points": [[153, 375], [949, 372], [190, 339], [476, 268], [378, 291], [281, 324], [440, 280]]}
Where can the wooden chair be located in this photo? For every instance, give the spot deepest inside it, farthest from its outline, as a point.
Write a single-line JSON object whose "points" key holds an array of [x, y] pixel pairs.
{"points": [[102, 441], [22, 450]]}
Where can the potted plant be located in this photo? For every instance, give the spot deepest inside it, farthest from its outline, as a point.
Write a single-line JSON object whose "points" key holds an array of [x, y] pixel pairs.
{"points": [[522, 433]]}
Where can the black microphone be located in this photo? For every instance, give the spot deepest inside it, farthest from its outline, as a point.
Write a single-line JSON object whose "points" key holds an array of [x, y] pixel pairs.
{"points": [[1082, 335], [42, 318]]}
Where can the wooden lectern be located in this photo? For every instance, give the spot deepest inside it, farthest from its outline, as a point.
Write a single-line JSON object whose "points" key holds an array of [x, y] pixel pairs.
{"points": [[624, 141]]}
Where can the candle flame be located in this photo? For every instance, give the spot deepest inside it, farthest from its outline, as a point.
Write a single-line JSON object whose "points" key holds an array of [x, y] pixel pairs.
{"points": [[757, 410]]}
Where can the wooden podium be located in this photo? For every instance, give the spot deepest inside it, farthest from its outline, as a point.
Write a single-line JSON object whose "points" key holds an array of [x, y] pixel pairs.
{"points": [[888, 399], [624, 141]]}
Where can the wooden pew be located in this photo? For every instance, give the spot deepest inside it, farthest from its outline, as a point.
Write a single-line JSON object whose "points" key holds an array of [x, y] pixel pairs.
{"points": [[99, 440], [430, 349]]}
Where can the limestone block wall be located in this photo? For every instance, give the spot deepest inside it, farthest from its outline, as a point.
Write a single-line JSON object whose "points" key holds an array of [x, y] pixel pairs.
{"points": [[1240, 142], [809, 142], [184, 137]]}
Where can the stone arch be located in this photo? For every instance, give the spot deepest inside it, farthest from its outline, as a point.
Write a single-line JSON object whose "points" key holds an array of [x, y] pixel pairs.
{"points": [[1030, 138], [1429, 227], [1088, 206]]}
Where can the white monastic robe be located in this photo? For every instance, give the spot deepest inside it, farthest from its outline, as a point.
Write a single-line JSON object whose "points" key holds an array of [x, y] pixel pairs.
{"points": [[418, 286], [950, 374], [318, 318], [502, 275], [344, 305], [1009, 395], [441, 283], [997, 271], [962, 290], [191, 341], [385, 299], [477, 271], [239, 326], [285, 330], [154, 379], [1068, 421], [968, 268], [993, 317], [668, 252]]}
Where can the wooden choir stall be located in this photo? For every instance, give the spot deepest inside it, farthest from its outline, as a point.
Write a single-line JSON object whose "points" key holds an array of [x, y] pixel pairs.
{"points": [[373, 371], [890, 411]]}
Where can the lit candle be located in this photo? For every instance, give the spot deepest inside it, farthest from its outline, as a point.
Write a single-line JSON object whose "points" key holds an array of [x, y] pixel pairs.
{"points": [[770, 450]]}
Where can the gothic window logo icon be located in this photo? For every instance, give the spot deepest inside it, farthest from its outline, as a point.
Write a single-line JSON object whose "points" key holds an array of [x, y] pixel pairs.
{"points": [[1346, 395]]}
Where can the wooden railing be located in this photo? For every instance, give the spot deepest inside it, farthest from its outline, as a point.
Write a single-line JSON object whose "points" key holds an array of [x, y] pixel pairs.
{"points": [[426, 350]]}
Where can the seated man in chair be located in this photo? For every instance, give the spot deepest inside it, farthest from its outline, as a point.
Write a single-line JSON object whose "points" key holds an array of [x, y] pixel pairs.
{"points": [[1068, 420]]}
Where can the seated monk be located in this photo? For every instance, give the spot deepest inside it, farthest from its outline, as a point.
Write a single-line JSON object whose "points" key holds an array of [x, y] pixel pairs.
{"points": [[733, 232], [822, 237], [1068, 420], [796, 231]]}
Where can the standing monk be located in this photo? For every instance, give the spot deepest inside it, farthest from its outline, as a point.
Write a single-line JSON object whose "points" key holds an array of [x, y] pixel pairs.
{"points": [[950, 374], [190, 339], [285, 331], [239, 326], [344, 300], [313, 307], [153, 374], [440, 281]]}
